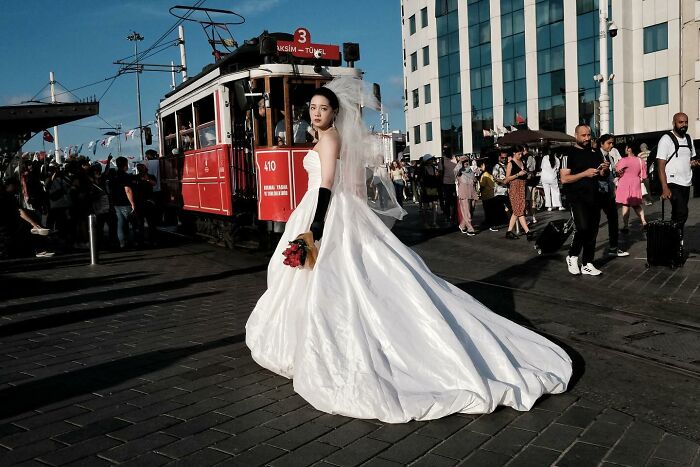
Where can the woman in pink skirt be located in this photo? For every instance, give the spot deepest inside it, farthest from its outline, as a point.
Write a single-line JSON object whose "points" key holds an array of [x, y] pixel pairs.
{"points": [[631, 170]]}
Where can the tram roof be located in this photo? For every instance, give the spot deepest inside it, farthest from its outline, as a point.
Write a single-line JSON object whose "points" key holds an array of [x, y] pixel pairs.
{"points": [[248, 56]]}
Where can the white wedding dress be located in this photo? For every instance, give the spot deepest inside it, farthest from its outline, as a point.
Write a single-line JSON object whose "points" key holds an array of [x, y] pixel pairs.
{"points": [[370, 332]]}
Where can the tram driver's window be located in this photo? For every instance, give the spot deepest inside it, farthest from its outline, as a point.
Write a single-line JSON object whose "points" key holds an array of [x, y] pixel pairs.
{"points": [[300, 96]]}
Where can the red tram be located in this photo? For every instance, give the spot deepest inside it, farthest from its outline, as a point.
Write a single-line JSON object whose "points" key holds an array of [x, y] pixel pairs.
{"points": [[233, 137]]}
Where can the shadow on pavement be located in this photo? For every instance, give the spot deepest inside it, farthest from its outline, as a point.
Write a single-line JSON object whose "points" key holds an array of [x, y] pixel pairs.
{"points": [[35, 394], [22, 287], [70, 317], [129, 292]]}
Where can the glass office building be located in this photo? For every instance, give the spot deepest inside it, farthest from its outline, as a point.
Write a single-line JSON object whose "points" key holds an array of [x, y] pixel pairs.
{"points": [[475, 68]]}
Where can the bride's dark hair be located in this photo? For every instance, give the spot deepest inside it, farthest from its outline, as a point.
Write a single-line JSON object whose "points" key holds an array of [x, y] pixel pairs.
{"points": [[328, 94]]}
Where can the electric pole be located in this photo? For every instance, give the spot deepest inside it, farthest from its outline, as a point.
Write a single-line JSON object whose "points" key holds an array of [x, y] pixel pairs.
{"points": [[135, 37]]}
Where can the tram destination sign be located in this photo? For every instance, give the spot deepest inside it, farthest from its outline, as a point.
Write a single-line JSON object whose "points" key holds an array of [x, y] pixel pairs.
{"points": [[302, 47]]}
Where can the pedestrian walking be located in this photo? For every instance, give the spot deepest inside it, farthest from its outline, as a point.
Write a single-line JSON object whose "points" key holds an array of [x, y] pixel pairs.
{"points": [[631, 171], [516, 178], [549, 177], [606, 193], [581, 172], [466, 195]]}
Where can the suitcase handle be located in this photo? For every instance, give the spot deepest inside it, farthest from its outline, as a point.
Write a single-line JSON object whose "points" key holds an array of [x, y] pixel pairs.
{"points": [[663, 204]]}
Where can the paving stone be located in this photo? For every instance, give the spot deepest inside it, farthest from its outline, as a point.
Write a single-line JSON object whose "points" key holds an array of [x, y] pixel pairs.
{"points": [[534, 455], [195, 410], [78, 451], [534, 420], [144, 428], [89, 461], [492, 423], [676, 449], [509, 441], [556, 402], [31, 451], [557, 437], [144, 400], [92, 430], [656, 462], [305, 455], [151, 459], [137, 447], [47, 418], [287, 405], [348, 433], [376, 462], [150, 411], [392, 432], [460, 444], [191, 444], [332, 421], [602, 433], [9, 429], [410, 448], [444, 427], [582, 455], [615, 416], [246, 440], [32, 436], [433, 460], [636, 445], [292, 419], [197, 424], [245, 422], [245, 406], [357, 452], [486, 459], [205, 457], [259, 455], [298, 436], [578, 416]]}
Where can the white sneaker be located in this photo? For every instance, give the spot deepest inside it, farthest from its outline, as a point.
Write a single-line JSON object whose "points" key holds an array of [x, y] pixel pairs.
{"points": [[590, 270], [45, 254], [572, 264]]}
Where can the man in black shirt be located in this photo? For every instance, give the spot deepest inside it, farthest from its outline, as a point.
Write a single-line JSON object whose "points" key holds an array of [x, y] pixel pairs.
{"points": [[123, 198], [582, 170]]}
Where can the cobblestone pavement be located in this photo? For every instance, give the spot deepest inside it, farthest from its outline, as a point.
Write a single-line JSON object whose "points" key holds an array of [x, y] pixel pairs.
{"points": [[141, 360]]}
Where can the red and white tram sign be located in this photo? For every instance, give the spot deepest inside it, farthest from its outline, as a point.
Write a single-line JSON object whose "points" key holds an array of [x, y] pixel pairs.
{"points": [[302, 47]]}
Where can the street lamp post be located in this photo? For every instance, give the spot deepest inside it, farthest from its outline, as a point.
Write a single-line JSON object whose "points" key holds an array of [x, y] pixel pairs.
{"points": [[135, 37], [606, 27]]}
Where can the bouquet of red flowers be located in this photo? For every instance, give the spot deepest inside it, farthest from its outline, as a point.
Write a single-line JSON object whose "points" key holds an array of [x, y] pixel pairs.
{"points": [[301, 252]]}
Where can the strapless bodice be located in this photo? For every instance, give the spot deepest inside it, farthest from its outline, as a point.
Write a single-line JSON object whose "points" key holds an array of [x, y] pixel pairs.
{"points": [[312, 165]]}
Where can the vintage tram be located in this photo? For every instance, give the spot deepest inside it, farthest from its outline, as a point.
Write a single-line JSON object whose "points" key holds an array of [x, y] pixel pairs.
{"points": [[232, 138]]}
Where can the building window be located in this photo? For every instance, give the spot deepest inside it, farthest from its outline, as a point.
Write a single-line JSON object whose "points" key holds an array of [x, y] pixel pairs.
{"points": [[429, 131], [416, 134], [414, 61], [412, 25], [655, 92], [448, 64], [415, 98], [426, 56], [655, 38], [551, 81], [424, 17], [427, 98], [513, 53], [480, 73]]}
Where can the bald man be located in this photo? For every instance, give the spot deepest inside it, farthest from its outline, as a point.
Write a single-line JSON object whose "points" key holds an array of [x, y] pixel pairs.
{"points": [[675, 167]]}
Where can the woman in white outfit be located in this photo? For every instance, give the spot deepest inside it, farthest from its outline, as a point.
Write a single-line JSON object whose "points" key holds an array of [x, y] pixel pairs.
{"points": [[550, 182], [370, 332]]}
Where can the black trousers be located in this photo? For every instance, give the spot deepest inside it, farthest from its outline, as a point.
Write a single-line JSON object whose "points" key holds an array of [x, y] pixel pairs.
{"points": [[449, 201], [586, 218], [609, 207], [679, 203]]}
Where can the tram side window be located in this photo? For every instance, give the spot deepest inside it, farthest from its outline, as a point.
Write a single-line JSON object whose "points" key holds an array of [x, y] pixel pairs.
{"points": [[299, 96], [169, 134], [186, 129], [206, 122]]}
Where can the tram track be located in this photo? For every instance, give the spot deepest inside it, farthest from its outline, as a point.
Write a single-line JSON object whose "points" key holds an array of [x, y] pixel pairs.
{"points": [[685, 369]]}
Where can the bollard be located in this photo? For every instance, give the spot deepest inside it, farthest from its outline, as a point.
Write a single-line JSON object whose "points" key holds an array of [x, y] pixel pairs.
{"points": [[92, 226]]}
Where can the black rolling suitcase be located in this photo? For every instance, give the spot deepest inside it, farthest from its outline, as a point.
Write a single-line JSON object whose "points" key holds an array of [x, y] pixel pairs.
{"points": [[554, 235], [664, 243]]}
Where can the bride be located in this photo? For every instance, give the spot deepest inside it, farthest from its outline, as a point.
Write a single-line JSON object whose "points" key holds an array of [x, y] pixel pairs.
{"points": [[370, 332]]}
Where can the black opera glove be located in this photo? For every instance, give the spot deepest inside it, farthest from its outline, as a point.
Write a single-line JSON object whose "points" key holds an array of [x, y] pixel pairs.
{"points": [[324, 198]]}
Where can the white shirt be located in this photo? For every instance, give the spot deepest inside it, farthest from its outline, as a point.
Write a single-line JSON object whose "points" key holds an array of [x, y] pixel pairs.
{"points": [[678, 169], [549, 173]]}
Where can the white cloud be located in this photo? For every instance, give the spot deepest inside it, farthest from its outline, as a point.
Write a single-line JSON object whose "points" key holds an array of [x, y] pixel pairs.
{"points": [[252, 7], [396, 80]]}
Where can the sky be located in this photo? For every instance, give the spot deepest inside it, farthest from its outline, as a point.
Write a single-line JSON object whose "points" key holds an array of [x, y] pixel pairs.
{"points": [[79, 40]]}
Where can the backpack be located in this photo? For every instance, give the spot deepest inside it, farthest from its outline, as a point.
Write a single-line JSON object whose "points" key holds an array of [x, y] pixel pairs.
{"points": [[677, 146]]}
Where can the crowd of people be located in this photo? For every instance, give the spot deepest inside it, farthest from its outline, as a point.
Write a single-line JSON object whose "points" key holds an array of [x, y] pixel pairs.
{"points": [[46, 205]]}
